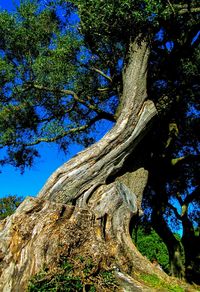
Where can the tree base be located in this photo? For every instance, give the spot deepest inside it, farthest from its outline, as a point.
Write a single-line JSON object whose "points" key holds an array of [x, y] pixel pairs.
{"points": [[40, 232]]}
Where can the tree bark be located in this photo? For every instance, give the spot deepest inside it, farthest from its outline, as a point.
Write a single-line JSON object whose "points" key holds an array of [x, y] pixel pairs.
{"points": [[191, 243], [102, 204], [175, 250]]}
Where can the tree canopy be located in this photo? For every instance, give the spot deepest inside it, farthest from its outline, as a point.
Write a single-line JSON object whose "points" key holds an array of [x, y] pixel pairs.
{"points": [[61, 75]]}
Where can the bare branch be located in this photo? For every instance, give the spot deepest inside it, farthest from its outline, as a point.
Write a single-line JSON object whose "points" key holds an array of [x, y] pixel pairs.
{"points": [[174, 161], [180, 200], [102, 73], [171, 6], [186, 158], [103, 89], [175, 211], [194, 195]]}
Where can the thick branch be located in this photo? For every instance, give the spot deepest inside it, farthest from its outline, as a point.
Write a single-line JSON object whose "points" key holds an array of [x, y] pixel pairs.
{"points": [[193, 196], [178, 216], [104, 114]]}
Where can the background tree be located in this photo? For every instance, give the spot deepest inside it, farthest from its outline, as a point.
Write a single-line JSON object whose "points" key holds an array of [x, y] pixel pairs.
{"points": [[8, 205], [178, 194], [58, 81]]}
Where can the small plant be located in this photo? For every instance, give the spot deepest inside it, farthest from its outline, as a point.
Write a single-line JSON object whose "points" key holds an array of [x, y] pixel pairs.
{"points": [[65, 265], [54, 282], [108, 278], [79, 274]]}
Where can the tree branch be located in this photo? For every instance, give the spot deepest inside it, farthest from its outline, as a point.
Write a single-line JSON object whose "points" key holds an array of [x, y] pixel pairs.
{"points": [[186, 159], [102, 73], [171, 6], [175, 210], [103, 114], [194, 195], [103, 89], [180, 200], [64, 133], [185, 8], [174, 161]]}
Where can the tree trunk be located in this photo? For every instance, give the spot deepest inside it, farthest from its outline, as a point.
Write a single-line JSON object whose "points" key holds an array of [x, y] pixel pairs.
{"points": [[77, 180], [191, 244], [175, 250], [102, 204]]}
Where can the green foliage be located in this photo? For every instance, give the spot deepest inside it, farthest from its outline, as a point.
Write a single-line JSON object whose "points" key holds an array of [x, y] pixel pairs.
{"points": [[77, 275], [48, 87], [8, 205], [152, 246], [108, 278], [117, 20]]}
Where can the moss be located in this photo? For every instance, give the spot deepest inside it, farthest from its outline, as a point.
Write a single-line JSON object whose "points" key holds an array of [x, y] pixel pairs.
{"points": [[154, 281]]}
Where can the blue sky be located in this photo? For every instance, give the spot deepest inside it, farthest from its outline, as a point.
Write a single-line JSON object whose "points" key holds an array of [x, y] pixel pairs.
{"points": [[11, 180], [8, 4], [14, 183]]}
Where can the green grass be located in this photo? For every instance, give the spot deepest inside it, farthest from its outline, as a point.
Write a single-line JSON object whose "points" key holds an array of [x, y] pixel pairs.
{"points": [[155, 282]]}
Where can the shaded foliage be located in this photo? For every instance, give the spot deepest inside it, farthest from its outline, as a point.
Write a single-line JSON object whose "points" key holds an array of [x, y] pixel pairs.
{"points": [[152, 246]]}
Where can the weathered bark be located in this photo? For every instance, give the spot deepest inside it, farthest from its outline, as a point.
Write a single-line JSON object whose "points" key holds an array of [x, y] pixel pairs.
{"points": [[97, 222], [41, 231]]}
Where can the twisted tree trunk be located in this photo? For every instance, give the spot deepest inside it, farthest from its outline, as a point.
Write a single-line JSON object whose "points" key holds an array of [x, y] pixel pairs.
{"points": [[77, 179], [102, 202]]}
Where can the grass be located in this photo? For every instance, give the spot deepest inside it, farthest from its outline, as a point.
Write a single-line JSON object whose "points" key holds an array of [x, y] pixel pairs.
{"points": [[154, 282]]}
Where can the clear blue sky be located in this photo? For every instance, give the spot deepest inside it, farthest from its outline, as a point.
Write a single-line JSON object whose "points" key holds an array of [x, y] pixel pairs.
{"points": [[11, 181]]}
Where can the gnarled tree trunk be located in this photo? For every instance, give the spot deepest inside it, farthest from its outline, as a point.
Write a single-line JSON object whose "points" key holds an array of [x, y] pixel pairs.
{"points": [[85, 207]]}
